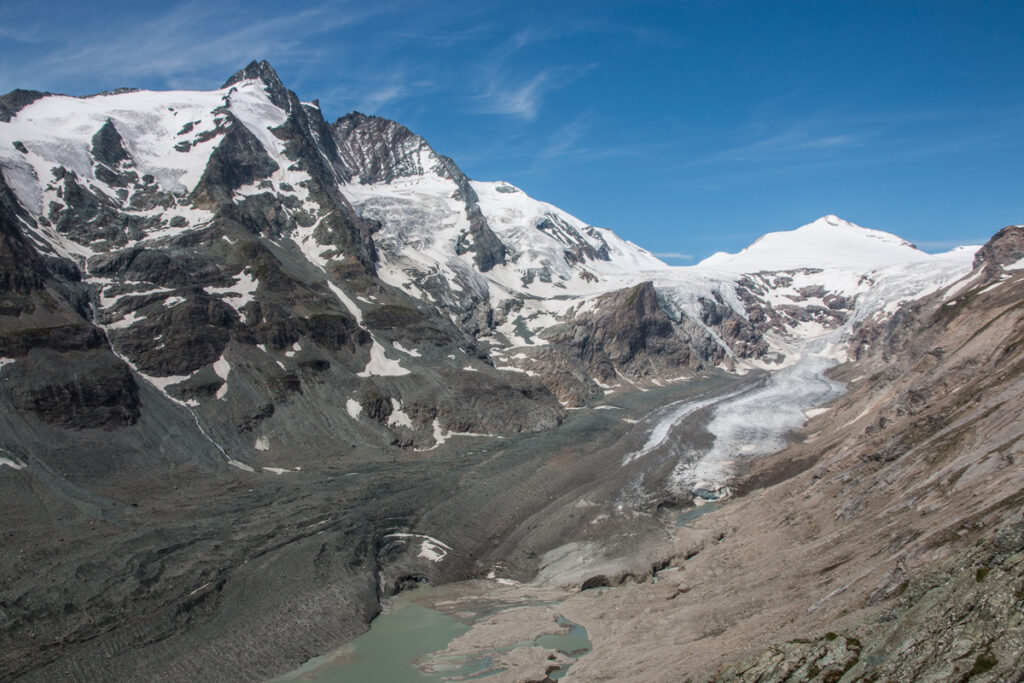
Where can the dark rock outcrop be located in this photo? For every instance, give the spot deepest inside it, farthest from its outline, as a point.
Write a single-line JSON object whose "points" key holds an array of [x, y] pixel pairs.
{"points": [[578, 250], [22, 269], [238, 160], [107, 145], [75, 390], [480, 240], [1005, 248], [627, 333], [16, 100]]}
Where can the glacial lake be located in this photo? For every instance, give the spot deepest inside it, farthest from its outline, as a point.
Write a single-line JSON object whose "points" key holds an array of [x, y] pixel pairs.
{"points": [[693, 513], [409, 631]]}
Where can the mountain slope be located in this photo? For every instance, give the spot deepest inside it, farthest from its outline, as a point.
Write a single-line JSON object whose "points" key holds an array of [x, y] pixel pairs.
{"points": [[476, 250], [885, 544]]}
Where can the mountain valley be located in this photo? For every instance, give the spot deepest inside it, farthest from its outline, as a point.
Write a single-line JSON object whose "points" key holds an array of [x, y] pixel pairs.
{"points": [[261, 373]]}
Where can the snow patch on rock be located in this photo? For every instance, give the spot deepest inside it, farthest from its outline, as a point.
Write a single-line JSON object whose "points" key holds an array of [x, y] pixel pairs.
{"points": [[430, 548], [398, 418], [380, 365], [353, 408]]}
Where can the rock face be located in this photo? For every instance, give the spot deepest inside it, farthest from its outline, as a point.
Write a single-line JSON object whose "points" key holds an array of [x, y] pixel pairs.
{"points": [[1006, 248], [75, 390], [622, 336], [379, 151], [628, 331], [22, 270]]}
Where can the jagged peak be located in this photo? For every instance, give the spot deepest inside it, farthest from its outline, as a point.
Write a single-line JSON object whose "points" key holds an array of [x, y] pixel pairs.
{"points": [[357, 119], [398, 136], [378, 149], [255, 70], [354, 117], [262, 71]]}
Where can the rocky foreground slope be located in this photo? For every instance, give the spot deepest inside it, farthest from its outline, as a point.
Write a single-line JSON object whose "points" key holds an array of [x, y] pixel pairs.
{"points": [[259, 371]]}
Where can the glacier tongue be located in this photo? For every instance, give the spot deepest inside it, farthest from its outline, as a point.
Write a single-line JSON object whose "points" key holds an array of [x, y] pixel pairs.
{"points": [[756, 423]]}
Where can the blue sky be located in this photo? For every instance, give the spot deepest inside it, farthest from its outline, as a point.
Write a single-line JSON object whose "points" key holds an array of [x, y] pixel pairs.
{"points": [[687, 127]]}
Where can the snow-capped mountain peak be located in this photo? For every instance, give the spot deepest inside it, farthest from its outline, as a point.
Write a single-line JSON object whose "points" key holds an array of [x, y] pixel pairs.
{"points": [[828, 242], [262, 71]]}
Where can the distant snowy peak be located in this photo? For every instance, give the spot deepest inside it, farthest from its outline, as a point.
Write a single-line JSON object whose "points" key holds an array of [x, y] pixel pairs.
{"points": [[828, 242], [533, 230]]}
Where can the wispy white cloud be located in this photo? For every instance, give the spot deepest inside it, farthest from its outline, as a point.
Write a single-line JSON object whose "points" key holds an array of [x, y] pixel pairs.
{"points": [[188, 41], [445, 33], [796, 141], [674, 255], [19, 35], [832, 141], [564, 139], [373, 101], [385, 88], [522, 99], [504, 88]]}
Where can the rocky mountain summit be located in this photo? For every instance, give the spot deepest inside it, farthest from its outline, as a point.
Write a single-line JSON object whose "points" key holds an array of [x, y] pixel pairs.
{"points": [[247, 352]]}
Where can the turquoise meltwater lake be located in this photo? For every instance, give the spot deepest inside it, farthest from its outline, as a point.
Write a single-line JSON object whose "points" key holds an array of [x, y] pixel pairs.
{"points": [[397, 639], [387, 651]]}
